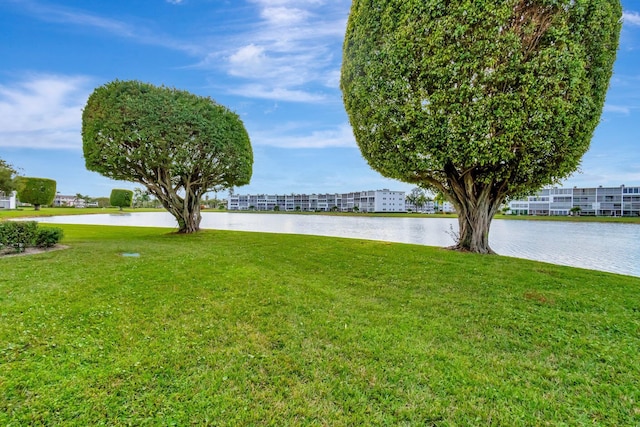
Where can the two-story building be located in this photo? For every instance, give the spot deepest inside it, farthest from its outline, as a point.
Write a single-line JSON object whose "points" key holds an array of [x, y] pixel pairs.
{"points": [[362, 201], [594, 201]]}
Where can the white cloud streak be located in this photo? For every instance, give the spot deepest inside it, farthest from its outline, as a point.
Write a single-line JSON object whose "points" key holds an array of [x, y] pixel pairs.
{"points": [[283, 16], [277, 93], [292, 55], [119, 28], [341, 136], [631, 18], [618, 109], [43, 111]]}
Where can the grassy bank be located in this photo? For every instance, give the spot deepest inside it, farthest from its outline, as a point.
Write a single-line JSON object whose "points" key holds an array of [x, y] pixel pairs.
{"points": [[31, 213], [228, 328]]}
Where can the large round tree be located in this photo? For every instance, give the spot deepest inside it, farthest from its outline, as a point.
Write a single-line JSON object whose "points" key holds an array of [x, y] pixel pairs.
{"points": [[36, 191], [178, 145], [121, 198], [480, 100]]}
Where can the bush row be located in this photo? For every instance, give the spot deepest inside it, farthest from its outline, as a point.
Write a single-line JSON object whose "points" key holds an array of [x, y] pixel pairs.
{"points": [[21, 235]]}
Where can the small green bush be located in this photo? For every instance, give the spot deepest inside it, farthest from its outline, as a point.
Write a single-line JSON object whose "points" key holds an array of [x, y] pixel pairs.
{"points": [[21, 235], [17, 235], [48, 237]]}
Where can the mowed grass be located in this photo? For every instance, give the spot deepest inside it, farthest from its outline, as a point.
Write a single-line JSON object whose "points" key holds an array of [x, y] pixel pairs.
{"points": [[230, 328], [29, 212]]}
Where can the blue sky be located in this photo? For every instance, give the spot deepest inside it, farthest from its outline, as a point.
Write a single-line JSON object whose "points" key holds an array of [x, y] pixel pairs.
{"points": [[274, 62]]}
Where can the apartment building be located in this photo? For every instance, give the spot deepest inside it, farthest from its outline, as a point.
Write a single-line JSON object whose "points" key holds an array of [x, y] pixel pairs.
{"points": [[362, 201], [594, 201], [431, 207], [68, 201]]}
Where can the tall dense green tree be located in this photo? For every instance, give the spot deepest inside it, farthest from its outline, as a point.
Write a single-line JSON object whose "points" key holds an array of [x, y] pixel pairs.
{"points": [[121, 198], [8, 176], [36, 191], [178, 145], [481, 99]]}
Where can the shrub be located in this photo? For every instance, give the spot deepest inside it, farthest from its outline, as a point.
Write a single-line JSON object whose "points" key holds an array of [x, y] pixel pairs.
{"points": [[21, 235], [48, 237], [18, 235]]}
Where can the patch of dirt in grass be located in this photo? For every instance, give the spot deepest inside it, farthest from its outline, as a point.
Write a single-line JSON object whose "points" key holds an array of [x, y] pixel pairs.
{"points": [[535, 296], [30, 251]]}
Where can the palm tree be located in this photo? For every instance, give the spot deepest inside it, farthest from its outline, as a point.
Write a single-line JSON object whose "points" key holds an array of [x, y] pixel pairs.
{"points": [[439, 199], [412, 199]]}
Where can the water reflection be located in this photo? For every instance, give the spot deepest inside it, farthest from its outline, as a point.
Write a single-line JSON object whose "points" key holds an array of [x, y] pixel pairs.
{"points": [[609, 247]]}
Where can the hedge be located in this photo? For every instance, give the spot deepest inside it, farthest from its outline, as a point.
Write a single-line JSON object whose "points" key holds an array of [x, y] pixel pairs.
{"points": [[17, 236]]}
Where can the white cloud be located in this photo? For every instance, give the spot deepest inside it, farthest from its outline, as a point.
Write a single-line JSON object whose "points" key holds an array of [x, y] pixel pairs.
{"points": [[66, 15], [619, 109], [294, 46], [631, 18], [276, 69], [602, 176], [276, 93], [341, 136], [333, 79], [247, 61], [294, 3], [43, 111], [282, 16]]}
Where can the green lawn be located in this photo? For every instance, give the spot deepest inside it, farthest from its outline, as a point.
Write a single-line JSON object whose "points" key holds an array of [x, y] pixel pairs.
{"points": [[230, 328]]}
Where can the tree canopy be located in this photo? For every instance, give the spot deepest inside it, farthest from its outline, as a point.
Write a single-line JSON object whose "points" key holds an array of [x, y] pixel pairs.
{"points": [[7, 177], [479, 100], [36, 191], [177, 144]]}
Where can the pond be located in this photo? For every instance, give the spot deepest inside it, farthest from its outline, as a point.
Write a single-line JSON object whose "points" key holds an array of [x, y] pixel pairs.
{"points": [[612, 247]]}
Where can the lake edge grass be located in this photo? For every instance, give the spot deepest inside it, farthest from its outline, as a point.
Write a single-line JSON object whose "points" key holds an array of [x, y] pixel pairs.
{"points": [[27, 213], [232, 328]]}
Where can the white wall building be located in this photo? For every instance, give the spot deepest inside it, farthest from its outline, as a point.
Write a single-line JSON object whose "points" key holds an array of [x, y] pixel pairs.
{"points": [[432, 207], [363, 201], [8, 201], [68, 201], [428, 207], [598, 201]]}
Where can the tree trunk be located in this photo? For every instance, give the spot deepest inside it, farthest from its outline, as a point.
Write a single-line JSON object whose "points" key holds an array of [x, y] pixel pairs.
{"points": [[185, 210], [36, 207], [476, 204], [474, 223], [188, 217]]}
